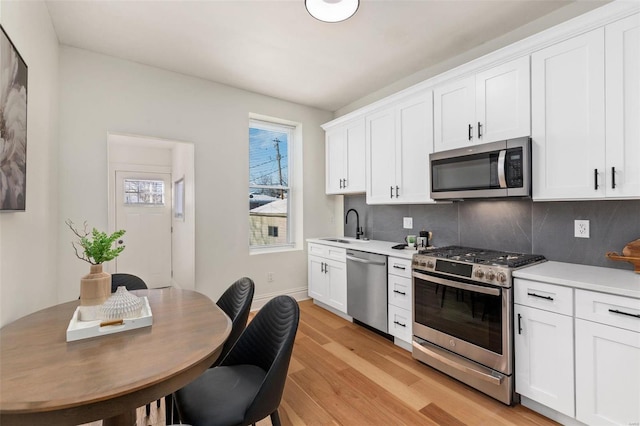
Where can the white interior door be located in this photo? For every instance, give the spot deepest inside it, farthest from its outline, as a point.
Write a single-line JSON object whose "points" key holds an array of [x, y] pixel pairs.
{"points": [[143, 210]]}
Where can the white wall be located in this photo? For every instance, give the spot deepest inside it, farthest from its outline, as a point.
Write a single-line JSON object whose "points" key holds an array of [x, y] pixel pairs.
{"points": [[183, 244], [100, 94], [28, 240]]}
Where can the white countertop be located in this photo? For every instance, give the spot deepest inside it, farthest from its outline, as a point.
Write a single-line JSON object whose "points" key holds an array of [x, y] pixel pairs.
{"points": [[371, 246], [595, 278]]}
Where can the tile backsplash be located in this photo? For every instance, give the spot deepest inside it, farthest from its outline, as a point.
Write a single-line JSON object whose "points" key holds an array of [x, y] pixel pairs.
{"points": [[545, 228]]}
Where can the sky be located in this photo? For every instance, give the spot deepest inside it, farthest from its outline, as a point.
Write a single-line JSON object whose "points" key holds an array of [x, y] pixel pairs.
{"points": [[263, 157]]}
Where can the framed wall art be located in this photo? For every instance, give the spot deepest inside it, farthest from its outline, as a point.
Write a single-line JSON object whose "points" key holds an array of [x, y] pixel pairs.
{"points": [[13, 126]]}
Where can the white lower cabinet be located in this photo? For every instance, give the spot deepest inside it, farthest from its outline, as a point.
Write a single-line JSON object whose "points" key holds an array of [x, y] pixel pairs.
{"points": [[607, 359], [328, 275], [543, 325], [399, 298], [598, 343]]}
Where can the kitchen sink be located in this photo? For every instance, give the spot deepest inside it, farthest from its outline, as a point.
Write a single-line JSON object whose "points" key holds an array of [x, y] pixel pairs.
{"points": [[345, 240], [337, 240]]}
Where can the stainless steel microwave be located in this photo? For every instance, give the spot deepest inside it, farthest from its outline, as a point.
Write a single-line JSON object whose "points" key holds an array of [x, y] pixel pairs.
{"points": [[491, 170]]}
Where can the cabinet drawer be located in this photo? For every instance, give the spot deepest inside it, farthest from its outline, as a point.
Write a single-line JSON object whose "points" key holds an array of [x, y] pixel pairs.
{"points": [[400, 267], [550, 297], [399, 291], [618, 311], [329, 252], [400, 323]]}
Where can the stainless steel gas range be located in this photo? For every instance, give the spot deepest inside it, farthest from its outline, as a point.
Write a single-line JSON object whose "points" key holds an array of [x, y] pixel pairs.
{"points": [[463, 313]]}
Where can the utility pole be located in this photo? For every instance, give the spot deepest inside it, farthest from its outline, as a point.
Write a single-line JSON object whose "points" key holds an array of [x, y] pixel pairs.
{"points": [[276, 143]]}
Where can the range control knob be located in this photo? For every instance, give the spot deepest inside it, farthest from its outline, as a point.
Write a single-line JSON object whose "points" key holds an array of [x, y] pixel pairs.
{"points": [[491, 275], [479, 273], [502, 277], [423, 263], [430, 264]]}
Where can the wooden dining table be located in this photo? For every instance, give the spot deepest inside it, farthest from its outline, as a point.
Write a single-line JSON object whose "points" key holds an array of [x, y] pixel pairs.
{"points": [[45, 380]]}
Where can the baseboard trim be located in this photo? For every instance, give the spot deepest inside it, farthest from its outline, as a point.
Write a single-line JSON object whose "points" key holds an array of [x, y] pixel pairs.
{"points": [[298, 294]]}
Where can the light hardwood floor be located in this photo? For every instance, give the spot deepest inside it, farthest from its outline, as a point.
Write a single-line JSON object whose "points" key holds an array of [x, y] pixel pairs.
{"points": [[343, 374]]}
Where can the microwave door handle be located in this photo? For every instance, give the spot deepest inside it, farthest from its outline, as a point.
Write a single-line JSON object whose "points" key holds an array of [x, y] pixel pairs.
{"points": [[502, 157]]}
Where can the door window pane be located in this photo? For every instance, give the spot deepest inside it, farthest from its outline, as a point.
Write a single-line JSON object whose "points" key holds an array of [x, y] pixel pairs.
{"points": [[144, 192]]}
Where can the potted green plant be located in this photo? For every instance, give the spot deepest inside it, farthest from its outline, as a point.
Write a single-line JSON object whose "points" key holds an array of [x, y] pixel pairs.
{"points": [[94, 247]]}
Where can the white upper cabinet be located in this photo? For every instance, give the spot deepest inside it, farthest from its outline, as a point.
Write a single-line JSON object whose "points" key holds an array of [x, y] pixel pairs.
{"points": [[345, 157], [503, 102], [585, 109], [489, 106], [567, 107], [622, 50], [453, 114], [399, 141]]}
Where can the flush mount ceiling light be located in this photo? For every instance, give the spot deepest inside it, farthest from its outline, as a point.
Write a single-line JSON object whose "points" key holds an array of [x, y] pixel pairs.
{"points": [[332, 10]]}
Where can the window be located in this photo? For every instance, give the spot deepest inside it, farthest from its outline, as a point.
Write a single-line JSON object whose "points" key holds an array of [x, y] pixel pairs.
{"points": [[144, 192], [270, 195]]}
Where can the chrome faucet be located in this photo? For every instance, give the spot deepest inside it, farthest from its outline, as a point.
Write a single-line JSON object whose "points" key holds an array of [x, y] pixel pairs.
{"points": [[358, 228]]}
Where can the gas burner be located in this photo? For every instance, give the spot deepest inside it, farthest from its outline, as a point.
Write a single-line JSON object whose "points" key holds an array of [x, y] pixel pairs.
{"points": [[486, 266]]}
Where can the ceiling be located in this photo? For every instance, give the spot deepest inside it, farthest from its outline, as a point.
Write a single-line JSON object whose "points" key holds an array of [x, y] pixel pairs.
{"points": [[276, 48]]}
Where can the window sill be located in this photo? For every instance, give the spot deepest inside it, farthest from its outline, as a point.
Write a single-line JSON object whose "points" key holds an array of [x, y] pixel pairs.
{"points": [[273, 249]]}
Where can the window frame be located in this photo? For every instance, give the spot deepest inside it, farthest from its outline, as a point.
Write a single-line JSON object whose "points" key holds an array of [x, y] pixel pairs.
{"points": [[293, 184]]}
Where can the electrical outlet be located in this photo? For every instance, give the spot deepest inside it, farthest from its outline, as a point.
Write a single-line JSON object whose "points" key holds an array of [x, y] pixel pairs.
{"points": [[407, 222], [581, 228], [269, 277]]}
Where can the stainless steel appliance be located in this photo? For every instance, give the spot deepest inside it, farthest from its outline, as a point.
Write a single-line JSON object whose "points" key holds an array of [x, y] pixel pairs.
{"points": [[463, 304], [497, 169], [367, 288]]}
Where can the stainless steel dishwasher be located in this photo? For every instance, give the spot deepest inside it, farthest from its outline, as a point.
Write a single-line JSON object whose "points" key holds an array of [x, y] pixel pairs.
{"points": [[367, 288]]}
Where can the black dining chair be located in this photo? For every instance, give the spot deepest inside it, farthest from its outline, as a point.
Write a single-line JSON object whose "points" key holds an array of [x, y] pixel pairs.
{"points": [[130, 282], [247, 385], [236, 303]]}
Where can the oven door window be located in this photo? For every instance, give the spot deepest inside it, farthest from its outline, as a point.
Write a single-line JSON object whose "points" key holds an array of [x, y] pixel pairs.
{"points": [[466, 315]]}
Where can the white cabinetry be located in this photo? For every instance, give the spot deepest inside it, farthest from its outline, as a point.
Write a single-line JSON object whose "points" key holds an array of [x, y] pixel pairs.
{"points": [[622, 85], [399, 141], [328, 275], [573, 156], [608, 359], [543, 324], [489, 106], [345, 158], [400, 299]]}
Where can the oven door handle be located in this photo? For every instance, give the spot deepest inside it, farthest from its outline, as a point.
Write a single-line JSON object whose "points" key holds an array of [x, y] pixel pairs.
{"points": [[467, 370], [463, 286]]}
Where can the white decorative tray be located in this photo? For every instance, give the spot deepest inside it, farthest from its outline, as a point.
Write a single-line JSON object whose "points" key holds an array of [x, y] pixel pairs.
{"points": [[78, 330]]}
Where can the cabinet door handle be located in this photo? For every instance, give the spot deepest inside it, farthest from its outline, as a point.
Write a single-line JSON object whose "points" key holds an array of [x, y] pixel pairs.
{"points": [[615, 311], [519, 324], [399, 267], [479, 130], [400, 292], [397, 193], [344, 182], [340, 183], [391, 189], [613, 177], [400, 324], [595, 178], [322, 267], [540, 297], [470, 132]]}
